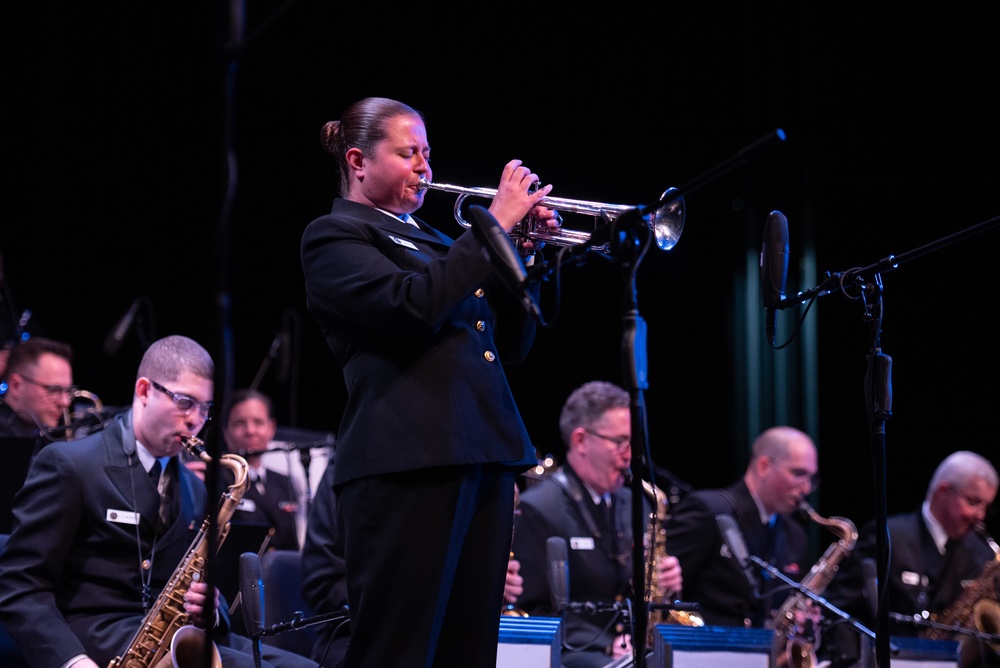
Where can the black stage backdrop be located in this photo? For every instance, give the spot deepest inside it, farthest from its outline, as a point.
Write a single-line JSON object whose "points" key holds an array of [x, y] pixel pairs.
{"points": [[117, 118]]}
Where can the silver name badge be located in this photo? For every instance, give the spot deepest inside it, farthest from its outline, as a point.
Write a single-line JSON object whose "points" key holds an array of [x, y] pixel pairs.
{"points": [[403, 242], [247, 505], [122, 516], [582, 543]]}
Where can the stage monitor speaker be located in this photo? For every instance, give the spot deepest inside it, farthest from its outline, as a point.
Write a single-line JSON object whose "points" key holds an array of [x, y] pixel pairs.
{"points": [[529, 642], [924, 653], [678, 646]]}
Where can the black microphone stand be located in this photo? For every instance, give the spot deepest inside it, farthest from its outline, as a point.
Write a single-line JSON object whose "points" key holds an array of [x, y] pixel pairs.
{"points": [[865, 284], [299, 621], [628, 237], [956, 629]]}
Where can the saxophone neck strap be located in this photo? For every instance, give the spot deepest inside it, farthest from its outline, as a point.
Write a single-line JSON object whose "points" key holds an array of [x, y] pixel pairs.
{"points": [[574, 489]]}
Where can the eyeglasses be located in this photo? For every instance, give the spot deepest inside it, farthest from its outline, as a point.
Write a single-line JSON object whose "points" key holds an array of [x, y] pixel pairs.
{"points": [[621, 442], [51, 390], [186, 404], [972, 502], [801, 476]]}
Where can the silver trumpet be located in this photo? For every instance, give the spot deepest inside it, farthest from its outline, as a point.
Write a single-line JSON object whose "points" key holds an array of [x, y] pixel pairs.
{"points": [[667, 222]]}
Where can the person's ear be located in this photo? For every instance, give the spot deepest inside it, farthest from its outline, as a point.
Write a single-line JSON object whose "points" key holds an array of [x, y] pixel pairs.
{"points": [[142, 388], [355, 160], [576, 438]]}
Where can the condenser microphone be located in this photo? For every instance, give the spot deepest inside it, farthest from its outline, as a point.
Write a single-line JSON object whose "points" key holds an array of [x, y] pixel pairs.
{"points": [[252, 594], [121, 328], [773, 268], [503, 256], [557, 555], [737, 545]]}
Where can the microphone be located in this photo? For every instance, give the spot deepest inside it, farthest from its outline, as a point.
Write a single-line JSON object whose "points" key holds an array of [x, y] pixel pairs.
{"points": [[115, 337], [285, 363], [503, 256], [870, 588], [279, 343], [733, 537], [773, 268], [557, 556], [252, 594]]}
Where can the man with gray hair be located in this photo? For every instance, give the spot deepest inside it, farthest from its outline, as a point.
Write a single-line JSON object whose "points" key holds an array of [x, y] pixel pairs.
{"points": [[587, 503], [934, 550]]}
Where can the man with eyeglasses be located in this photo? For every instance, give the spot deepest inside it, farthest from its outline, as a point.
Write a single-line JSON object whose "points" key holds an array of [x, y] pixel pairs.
{"points": [[102, 523], [39, 382], [782, 471], [935, 549], [587, 503]]}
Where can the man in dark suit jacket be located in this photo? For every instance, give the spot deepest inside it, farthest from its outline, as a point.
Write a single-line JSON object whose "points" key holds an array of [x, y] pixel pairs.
{"points": [[587, 504], [39, 377], [781, 473], [934, 552], [90, 552]]}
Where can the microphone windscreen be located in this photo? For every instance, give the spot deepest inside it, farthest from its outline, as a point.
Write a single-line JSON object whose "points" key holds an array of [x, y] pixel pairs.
{"points": [[557, 555], [252, 593], [774, 259], [507, 262]]}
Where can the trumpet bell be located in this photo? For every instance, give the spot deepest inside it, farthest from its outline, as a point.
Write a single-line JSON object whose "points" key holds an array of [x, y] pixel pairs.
{"points": [[668, 220]]}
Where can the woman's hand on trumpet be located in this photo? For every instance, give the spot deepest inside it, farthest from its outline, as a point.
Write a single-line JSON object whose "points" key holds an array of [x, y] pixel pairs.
{"points": [[515, 198]]}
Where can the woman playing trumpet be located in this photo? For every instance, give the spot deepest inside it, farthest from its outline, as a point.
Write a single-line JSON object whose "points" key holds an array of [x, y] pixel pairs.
{"points": [[431, 437]]}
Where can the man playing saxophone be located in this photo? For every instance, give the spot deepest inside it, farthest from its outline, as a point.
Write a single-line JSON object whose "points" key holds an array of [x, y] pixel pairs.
{"points": [[937, 555], [782, 471], [586, 503], [98, 531]]}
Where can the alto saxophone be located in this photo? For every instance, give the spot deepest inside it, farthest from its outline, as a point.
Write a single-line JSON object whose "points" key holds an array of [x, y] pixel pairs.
{"points": [[165, 633], [789, 648], [659, 549]]}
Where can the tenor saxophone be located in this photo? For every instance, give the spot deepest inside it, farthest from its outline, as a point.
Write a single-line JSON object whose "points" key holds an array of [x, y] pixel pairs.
{"points": [[166, 638], [791, 649]]}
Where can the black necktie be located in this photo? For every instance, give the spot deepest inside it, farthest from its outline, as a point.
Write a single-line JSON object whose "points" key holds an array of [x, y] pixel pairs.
{"points": [[604, 516], [165, 487]]}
